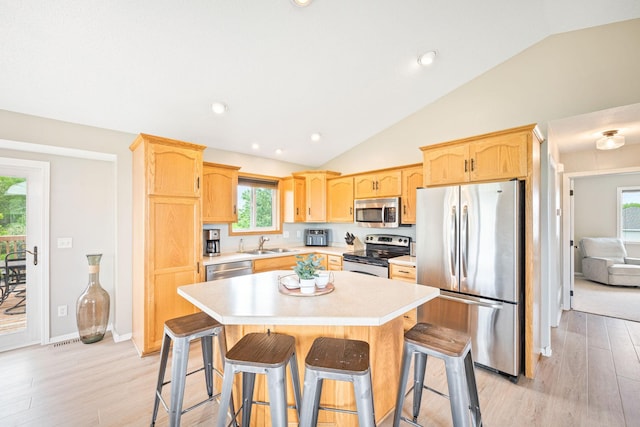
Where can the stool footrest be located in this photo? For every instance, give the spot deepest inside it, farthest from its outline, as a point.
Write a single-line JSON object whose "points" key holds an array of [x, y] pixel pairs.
{"points": [[192, 407]]}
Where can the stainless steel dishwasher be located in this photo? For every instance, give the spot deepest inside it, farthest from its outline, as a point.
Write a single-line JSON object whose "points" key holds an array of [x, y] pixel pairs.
{"points": [[229, 269]]}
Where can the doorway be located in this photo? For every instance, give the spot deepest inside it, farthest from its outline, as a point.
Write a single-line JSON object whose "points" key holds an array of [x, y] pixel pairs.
{"points": [[23, 263]]}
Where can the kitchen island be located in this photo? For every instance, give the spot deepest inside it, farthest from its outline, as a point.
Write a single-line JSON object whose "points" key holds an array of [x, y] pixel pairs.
{"points": [[360, 307]]}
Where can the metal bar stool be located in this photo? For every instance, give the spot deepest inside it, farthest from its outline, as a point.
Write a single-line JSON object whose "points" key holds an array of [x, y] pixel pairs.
{"points": [[341, 360], [183, 330], [260, 353], [454, 348]]}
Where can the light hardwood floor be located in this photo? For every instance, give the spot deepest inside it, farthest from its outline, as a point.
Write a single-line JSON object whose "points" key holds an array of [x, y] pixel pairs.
{"points": [[592, 379]]}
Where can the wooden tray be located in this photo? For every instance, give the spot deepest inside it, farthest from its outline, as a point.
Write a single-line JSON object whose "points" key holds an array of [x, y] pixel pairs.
{"points": [[296, 292]]}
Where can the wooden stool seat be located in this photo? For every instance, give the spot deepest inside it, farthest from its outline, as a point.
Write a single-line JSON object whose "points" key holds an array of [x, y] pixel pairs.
{"points": [[454, 348], [259, 353], [341, 360], [190, 324]]}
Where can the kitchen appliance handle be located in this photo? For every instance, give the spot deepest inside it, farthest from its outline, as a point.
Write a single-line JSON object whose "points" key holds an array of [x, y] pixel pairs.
{"points": [[454, 237], [384, 208], [495, 305], [464, 243]]}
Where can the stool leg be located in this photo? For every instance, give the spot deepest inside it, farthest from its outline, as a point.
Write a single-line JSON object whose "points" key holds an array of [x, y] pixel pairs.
{"points": [[178, 379], [222, 344], [458, 394], [310, 399], [364, 400], [164, 355], [469, 370], [225, 398], [276, 382], [404, 375], [419, 370], [207, 359], [318, 394], [295, 379], [248, 383]]}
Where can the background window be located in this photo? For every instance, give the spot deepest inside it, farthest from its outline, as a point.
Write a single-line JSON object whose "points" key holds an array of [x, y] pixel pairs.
{"points": [[257, 206], [629, 213]]}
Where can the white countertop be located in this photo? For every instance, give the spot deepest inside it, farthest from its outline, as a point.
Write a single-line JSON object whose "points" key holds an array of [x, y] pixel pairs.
{"points": [[409, 261], [358, 300], [296, 250]]}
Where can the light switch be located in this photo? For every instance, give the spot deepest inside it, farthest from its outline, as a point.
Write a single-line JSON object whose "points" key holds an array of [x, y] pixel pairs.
{"points": [[65, 242]]}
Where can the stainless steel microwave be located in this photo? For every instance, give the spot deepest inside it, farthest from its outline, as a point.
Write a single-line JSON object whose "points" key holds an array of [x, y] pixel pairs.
{"points": [[377, 213]]}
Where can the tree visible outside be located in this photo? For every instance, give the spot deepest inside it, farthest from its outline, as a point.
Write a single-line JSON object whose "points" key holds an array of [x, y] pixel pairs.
{"points": [[13, 208], [630, 215], [255, 208]]}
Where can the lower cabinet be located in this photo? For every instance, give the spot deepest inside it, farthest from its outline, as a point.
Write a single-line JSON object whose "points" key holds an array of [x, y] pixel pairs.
{"points": [[276, 263], [334, 262], [406, 274]]}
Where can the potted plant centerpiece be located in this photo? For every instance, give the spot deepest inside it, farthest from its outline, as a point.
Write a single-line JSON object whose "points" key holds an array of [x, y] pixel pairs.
{"points": [[306, 268]]}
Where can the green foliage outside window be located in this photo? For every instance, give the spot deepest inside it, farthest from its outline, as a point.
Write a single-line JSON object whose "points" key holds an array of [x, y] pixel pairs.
{"points": [[255, 208], [13, 208]]}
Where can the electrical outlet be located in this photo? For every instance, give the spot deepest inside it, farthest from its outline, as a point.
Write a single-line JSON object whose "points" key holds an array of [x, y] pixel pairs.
{"points": [[298, 233], [285, 234], [65, 242], [62, 310]]}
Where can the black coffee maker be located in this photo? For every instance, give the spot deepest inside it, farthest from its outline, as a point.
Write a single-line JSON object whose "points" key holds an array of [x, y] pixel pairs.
{"points": [[211, 240]]}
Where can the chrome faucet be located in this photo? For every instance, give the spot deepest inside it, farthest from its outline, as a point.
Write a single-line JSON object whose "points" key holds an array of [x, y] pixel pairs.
{"points": [[261, 241]]}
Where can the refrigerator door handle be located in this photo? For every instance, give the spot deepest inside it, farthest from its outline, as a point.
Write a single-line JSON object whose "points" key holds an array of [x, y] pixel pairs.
{"points": [[482, 303], [454, 237], [464, 240]]}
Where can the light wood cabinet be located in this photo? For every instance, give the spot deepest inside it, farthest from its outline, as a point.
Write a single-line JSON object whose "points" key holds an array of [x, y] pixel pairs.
{"points": [[380, 184], [219, 193], [340, 199], [293, 201], [503, 155], [276, 263], [406, 274], [493, 157], [316, 194], [334, 262], [167, 236], [412, 179]]}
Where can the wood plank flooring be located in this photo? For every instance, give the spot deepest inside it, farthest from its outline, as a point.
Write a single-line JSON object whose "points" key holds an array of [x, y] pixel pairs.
{"points": [[592, 379]]}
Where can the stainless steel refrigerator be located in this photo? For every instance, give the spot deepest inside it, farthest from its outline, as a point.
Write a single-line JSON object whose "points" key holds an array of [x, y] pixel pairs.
{"points": [[470, 244]]}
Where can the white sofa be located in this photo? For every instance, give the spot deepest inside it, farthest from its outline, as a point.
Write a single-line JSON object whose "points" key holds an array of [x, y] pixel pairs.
{"points": [[605, 261]]}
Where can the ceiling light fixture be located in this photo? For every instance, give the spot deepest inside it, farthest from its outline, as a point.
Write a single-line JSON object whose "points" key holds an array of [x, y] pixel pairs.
{"points": [[278, 151], [610, 140], [427, 58], [316, 136], [219, 107], [301, 3], [255, 146]]}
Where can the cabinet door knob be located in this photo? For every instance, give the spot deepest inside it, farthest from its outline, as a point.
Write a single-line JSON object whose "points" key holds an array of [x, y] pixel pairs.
{"points": [[472, 165], [465, 165]]}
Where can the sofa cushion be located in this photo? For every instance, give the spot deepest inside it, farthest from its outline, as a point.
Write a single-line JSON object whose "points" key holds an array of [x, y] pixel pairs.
{"points": [[626, 269], [604, 247]]}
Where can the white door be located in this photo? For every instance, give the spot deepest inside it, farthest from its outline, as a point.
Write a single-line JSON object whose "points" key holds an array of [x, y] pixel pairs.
{"points": [[36, 192]]}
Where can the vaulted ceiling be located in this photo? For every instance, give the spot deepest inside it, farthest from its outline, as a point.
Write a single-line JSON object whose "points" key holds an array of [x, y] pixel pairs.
{"points": [[343, 69]]}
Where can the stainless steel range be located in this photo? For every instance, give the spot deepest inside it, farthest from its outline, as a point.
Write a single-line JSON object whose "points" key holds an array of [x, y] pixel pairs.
{"points": [[374, 259]]}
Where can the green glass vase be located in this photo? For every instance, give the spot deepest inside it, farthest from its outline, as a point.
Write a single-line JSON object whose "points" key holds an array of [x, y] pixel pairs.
{"points": [[92, 307]]}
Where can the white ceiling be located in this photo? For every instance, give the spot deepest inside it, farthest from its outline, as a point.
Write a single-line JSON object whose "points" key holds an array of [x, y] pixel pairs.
{"points": [[346, 69]]}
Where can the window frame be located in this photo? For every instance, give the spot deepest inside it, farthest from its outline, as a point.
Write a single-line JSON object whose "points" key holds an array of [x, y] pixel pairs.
{"points": [[254, 181], [620, 191]]}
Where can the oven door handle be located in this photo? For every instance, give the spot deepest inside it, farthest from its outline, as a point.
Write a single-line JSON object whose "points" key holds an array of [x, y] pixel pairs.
{"points": [[384, 208]]}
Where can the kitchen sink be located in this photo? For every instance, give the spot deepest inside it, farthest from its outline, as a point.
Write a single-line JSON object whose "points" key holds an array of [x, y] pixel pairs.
{"points": [[281, 250], [257, 252], [270, 251]]}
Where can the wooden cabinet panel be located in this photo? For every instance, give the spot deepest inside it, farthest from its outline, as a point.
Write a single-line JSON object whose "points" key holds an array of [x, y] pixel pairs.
{"points": [[334, 262], [167, 235], [293, 199], [219, 193], [275, 263], [316, 194], [446, 165], [340, 200], [499, 157], [412, 179], [379, 184], [406, 274]]}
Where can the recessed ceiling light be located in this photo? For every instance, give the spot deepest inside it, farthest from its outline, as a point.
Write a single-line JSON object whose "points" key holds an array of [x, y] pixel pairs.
{"points": [[255, 146], [219, 107], [301, 3], [427, 58], [316, 136], [278, 150]]}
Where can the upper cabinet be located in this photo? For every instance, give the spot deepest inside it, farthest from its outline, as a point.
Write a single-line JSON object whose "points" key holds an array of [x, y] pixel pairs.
{"points": [[219, 193], [412, 179], [172, 168], [316, 194], [380, 184], [496, 156], [293, 199], [340, 199]]}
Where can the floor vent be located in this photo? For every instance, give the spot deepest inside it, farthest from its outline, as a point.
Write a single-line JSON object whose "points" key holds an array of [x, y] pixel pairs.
{"points": [[61, 343]]}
